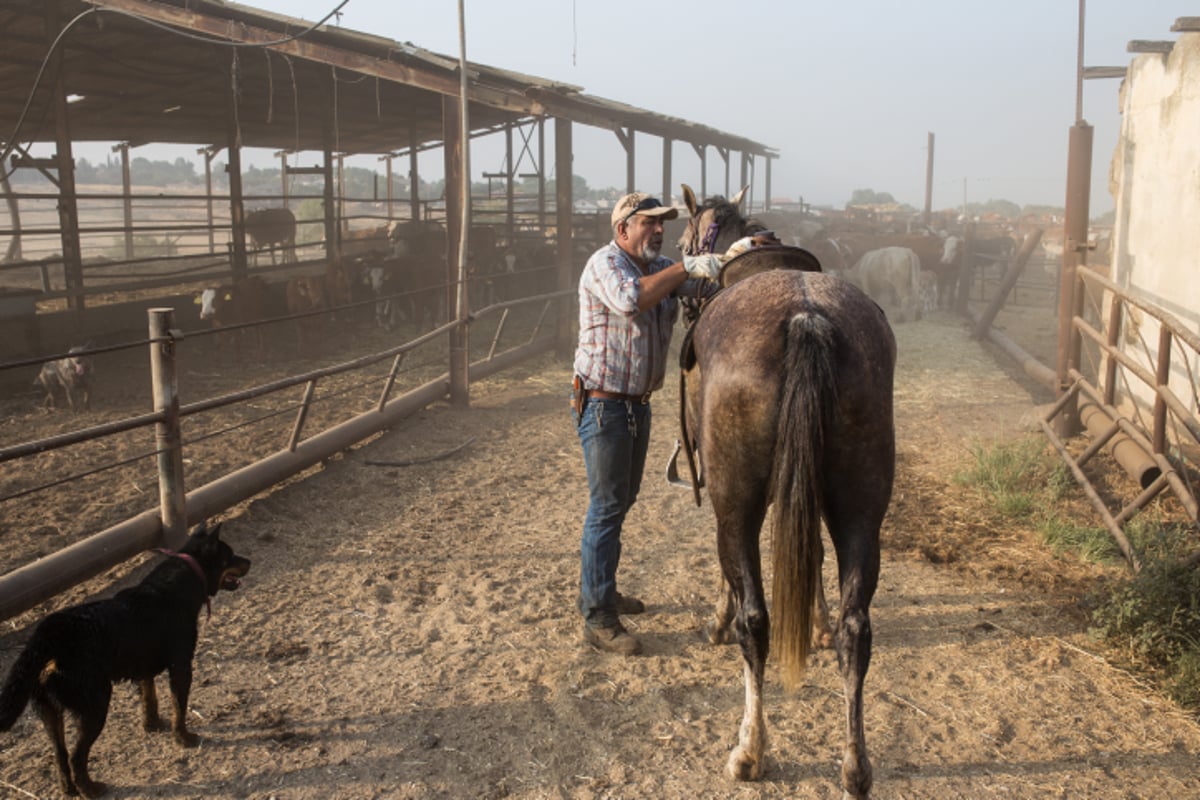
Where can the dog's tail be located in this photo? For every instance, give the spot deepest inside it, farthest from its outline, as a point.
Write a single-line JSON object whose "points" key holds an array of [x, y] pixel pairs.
{"points": [[22, 679]]}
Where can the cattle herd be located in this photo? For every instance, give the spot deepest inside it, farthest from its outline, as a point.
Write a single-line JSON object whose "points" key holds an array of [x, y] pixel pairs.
{"points": [[396, 273], [909, 272]]}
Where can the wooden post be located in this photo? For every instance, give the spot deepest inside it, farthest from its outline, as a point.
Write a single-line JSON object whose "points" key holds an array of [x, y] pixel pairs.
{"points": [[453, 155], [724, 153], [510, 203], [414, 178], [767, 185], [167, 438], [237, 211], [625, 136], [927, 214], [68, 202], [666, 171], [564, 207], [208, 153], [702, 154], [1070, 298], [127, 196], [14, 211], [283, 176], [541, 170]]}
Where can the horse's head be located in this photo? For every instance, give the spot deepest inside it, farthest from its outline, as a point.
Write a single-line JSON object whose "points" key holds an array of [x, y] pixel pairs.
{"points": [[715, 225]]}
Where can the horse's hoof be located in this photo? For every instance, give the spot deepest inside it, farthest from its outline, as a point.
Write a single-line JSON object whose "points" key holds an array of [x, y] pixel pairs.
{"points": [[743, 767]]}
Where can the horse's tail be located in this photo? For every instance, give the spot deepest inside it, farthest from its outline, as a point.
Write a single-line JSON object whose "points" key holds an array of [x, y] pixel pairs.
{"points": [[808, 393], [22, 679]]}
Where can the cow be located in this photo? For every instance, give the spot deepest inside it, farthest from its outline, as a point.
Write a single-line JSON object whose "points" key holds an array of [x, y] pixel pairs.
{"points": [[890, 274], [72, 376], [339, 280], [416, 238], [941, 255], [307, 294], [927, 291], [380, 278], [270, 227], [240, 303], [370, 242]]}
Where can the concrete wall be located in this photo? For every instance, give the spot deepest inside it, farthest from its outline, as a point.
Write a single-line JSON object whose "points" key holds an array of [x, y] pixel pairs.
{"points": [[1155, 182]]}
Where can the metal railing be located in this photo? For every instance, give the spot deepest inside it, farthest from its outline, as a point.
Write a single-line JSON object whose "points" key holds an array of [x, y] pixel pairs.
{"points": [[1130, 402]]}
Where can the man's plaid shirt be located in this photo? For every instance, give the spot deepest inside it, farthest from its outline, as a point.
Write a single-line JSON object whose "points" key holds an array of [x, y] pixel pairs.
{"points": [[621, 349]]}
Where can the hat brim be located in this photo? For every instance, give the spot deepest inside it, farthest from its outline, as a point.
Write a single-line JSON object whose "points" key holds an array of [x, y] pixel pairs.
{"points": [[666, 212]]}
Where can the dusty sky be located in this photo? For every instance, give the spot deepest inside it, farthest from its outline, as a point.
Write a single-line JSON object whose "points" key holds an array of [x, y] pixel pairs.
{"points": [[846, 91]]}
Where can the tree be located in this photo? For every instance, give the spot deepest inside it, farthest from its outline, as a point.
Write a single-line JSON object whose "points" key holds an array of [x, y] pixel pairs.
{"points": [[869, 197]]}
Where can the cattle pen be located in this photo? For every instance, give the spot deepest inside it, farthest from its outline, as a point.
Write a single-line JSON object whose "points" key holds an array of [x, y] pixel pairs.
{"points": [[515, 330]]}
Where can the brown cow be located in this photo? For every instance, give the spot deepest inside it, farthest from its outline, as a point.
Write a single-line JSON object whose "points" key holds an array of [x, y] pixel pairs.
{"points": [[307, 294], [271, 227]]}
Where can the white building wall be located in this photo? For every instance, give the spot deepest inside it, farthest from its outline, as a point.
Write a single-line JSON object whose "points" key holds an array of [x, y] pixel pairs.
{"points": [[1155, 182]]}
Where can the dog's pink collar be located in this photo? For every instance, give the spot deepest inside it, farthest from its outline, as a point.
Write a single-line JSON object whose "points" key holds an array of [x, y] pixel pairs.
{"points": [[195, 565]]}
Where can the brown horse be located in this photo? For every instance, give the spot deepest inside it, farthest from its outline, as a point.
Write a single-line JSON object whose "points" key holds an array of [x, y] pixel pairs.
{"points": [[789, 405]]}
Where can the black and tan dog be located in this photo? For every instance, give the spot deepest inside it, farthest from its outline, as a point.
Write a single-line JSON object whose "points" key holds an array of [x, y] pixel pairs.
{"points": [[75, 655]]}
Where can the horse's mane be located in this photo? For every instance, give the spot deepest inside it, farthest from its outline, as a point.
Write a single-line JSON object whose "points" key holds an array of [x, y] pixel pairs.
{"points": [[725, 211]]}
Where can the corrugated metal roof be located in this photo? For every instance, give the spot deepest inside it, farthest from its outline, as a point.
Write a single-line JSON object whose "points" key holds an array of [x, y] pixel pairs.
{"points": [[137, 81]]}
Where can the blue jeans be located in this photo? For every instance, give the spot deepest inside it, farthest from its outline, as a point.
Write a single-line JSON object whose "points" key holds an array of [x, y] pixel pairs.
{"points": [[615, 436]]}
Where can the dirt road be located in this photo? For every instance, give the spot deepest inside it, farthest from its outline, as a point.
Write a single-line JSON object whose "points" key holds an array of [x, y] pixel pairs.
{"points": [[409, 632]]}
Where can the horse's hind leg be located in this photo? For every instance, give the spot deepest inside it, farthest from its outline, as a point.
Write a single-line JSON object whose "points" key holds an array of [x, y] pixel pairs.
{"points": [[857, 547], [737, 544], [719, 630]]}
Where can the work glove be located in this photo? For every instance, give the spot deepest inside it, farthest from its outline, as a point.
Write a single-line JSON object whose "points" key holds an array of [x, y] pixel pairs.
{"points": [[706, 266], [760, 239]]}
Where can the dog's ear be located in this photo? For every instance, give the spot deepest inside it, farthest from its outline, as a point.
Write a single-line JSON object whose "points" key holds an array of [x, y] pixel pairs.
{"points": [[202, 531]]}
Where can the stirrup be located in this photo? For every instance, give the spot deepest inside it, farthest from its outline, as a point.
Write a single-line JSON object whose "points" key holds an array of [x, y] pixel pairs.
{"points": [[673, 477]]}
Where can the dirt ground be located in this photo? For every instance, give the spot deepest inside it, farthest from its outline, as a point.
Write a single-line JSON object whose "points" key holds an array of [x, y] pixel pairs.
{"points": [[409, 632]]}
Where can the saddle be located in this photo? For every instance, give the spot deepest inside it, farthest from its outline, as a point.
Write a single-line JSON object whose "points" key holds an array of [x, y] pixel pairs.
{"points": [[759, 258]]}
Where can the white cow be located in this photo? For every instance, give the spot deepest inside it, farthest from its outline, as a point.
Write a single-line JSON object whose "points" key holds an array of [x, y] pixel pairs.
{"points": [[891, 275]]}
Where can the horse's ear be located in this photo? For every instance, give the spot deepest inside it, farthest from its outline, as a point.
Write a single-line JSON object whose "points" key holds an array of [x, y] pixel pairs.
{"points": [[736, 200], [689, 199]]}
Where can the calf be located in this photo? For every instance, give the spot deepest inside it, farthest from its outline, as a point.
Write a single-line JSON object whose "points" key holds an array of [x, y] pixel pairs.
{"points": [[72, 376], [382, 282], [238, 304], [305, 294]]}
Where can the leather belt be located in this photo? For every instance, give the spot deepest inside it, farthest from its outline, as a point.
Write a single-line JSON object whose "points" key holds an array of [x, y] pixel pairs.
{"points": [[640, 399]]}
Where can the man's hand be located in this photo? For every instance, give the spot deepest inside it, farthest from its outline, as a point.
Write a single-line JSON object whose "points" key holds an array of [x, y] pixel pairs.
{"points": [[706, 266]]}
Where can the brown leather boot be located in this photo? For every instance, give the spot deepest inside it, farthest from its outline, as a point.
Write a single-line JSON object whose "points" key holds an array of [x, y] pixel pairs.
{"points": [[613, 640]]}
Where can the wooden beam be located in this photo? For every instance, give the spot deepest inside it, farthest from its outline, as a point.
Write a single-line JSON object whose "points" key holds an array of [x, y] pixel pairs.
{"points": [[1093, 73], [1146, 46], [443, 82]]}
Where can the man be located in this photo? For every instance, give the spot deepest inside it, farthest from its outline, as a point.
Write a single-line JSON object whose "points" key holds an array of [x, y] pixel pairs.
{"points": [[626, 316]]}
